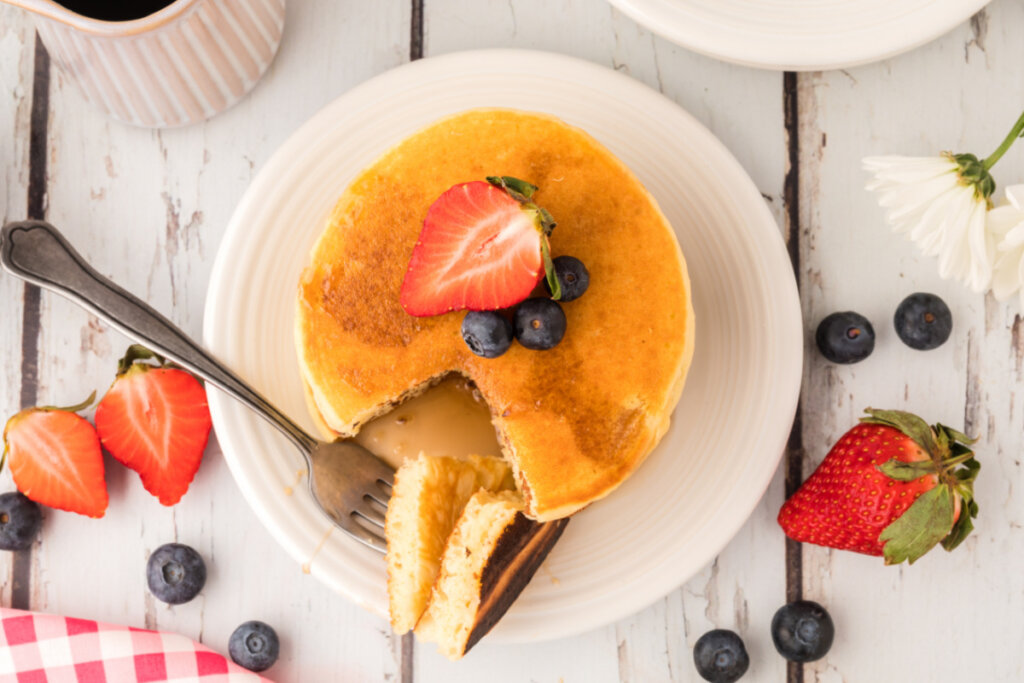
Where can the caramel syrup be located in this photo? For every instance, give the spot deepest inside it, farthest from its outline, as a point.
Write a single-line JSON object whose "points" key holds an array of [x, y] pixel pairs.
{"points": [[448, 419]]}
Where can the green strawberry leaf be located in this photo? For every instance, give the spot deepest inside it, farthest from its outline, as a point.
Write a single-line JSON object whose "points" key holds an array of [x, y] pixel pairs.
{"points": [[964, 477], [968, 471], [520, 190], [956, 436], [963, 527], [549, 269], [959, 449], [137, 353], [547, 221], [920, 528], [906, 471], [908, 423]]}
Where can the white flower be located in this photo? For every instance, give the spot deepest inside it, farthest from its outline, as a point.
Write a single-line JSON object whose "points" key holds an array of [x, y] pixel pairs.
{"points": [[1006, 223], [939, 203]]}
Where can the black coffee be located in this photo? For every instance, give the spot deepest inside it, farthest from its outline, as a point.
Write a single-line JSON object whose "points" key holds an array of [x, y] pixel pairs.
{"points": [[115, 10]]}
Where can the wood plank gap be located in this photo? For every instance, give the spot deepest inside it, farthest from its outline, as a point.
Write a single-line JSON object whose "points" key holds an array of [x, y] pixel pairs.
{"points": [[37, 149], [21, 565], [794, 446], [406, 674], [416, 31]]}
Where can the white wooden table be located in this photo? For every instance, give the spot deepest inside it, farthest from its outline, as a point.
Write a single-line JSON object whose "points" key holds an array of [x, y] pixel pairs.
{"points": [[148, 208]]}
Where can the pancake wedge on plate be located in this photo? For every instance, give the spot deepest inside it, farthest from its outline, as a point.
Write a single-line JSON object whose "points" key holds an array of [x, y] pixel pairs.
{"points": [[573, 421], [490, 556], [429, 496], [459, 548]]}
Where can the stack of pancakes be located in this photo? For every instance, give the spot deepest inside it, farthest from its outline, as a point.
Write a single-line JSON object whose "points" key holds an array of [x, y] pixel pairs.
{"points": [[573, 421]]}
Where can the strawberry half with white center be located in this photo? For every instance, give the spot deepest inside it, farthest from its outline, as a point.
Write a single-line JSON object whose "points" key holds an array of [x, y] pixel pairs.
{"points": [[484, 246], [55, 459], [891, 486], [155, 420]]}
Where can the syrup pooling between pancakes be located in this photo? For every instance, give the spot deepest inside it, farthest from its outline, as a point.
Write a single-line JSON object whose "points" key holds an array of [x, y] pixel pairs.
{"points": [[575, 420], [449, 419]]}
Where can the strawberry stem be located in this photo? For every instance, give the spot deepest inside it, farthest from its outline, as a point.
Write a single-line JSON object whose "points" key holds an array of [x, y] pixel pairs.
{"points": [[951, 463], [75, 408]]}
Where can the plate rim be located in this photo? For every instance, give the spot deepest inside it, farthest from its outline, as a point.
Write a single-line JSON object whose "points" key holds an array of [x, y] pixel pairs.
{"points": [[782, 52], [284, 156]]}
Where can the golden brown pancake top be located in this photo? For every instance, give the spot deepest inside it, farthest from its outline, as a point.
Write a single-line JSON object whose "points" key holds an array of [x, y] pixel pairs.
{"points": [[576, 419]]}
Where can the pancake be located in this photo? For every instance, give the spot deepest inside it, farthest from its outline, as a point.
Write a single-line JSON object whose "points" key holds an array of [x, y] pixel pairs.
{"points": [[429, 496], [573, 421], [490, 557]]}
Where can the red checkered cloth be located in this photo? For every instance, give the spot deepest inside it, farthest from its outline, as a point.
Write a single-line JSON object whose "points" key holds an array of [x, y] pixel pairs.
{"points": [[43, 648]]}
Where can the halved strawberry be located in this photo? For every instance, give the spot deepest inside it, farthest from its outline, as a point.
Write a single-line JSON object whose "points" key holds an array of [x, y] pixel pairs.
{"points": [[891, 486], [155, 420], [484, 246], [55, 459]]}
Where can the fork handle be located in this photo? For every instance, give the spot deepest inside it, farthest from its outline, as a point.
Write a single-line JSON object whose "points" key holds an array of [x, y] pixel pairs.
{"points": [[35, 251]]}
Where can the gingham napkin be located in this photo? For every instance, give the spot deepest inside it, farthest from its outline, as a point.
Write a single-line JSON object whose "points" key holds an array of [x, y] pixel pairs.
{"points": [[44, 648]]}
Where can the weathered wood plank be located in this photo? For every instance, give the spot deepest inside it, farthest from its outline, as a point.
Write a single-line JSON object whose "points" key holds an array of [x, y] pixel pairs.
{"points": [[949, 617], [148, 209], [746, 583], [16, 63]]}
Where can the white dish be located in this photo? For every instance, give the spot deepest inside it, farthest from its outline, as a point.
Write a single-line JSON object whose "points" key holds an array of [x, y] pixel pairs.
{"points": [[800, 35], [731, 424]]}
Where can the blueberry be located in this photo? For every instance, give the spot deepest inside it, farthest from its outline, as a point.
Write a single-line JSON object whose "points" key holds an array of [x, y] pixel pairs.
{"points": [[845, 337], [20, 520], [540, 324], [175, 573], [573, 277], [486, 333], [923, 321], [802, 631], [720, 656], [254, 645]]}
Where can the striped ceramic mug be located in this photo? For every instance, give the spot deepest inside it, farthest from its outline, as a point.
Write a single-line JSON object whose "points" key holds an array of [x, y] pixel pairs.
{"points": [[181, 64]]}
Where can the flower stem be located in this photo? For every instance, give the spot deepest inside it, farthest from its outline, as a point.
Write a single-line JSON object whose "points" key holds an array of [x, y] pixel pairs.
{"points": [[1016, 132]]}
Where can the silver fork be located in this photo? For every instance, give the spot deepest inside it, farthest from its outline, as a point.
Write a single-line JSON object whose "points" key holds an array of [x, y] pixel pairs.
{"points": [[349, 483]]}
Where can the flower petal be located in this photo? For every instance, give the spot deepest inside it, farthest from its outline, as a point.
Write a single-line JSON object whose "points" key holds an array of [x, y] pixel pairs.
{"points": [[1006, 227], [945, 217], [1015, 195]]}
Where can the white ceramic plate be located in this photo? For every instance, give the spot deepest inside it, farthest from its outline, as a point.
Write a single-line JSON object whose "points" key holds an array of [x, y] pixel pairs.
{"points": [[800, 35], [692, 495]]}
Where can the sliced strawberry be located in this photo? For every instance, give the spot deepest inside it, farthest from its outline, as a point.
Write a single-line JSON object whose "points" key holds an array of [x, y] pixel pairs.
{"points": [[891, 486], [483, 247], [155, 420], [55, 459]]}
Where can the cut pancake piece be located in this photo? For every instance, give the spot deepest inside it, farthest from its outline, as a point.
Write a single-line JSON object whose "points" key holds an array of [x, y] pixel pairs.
{"points": [[491, 555], [428, 497]]}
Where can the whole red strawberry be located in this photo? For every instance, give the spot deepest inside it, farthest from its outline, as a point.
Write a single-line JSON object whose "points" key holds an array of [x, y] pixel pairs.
{"points": [[891, 486], [484, 246], [155, 420], [55, 459]]}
